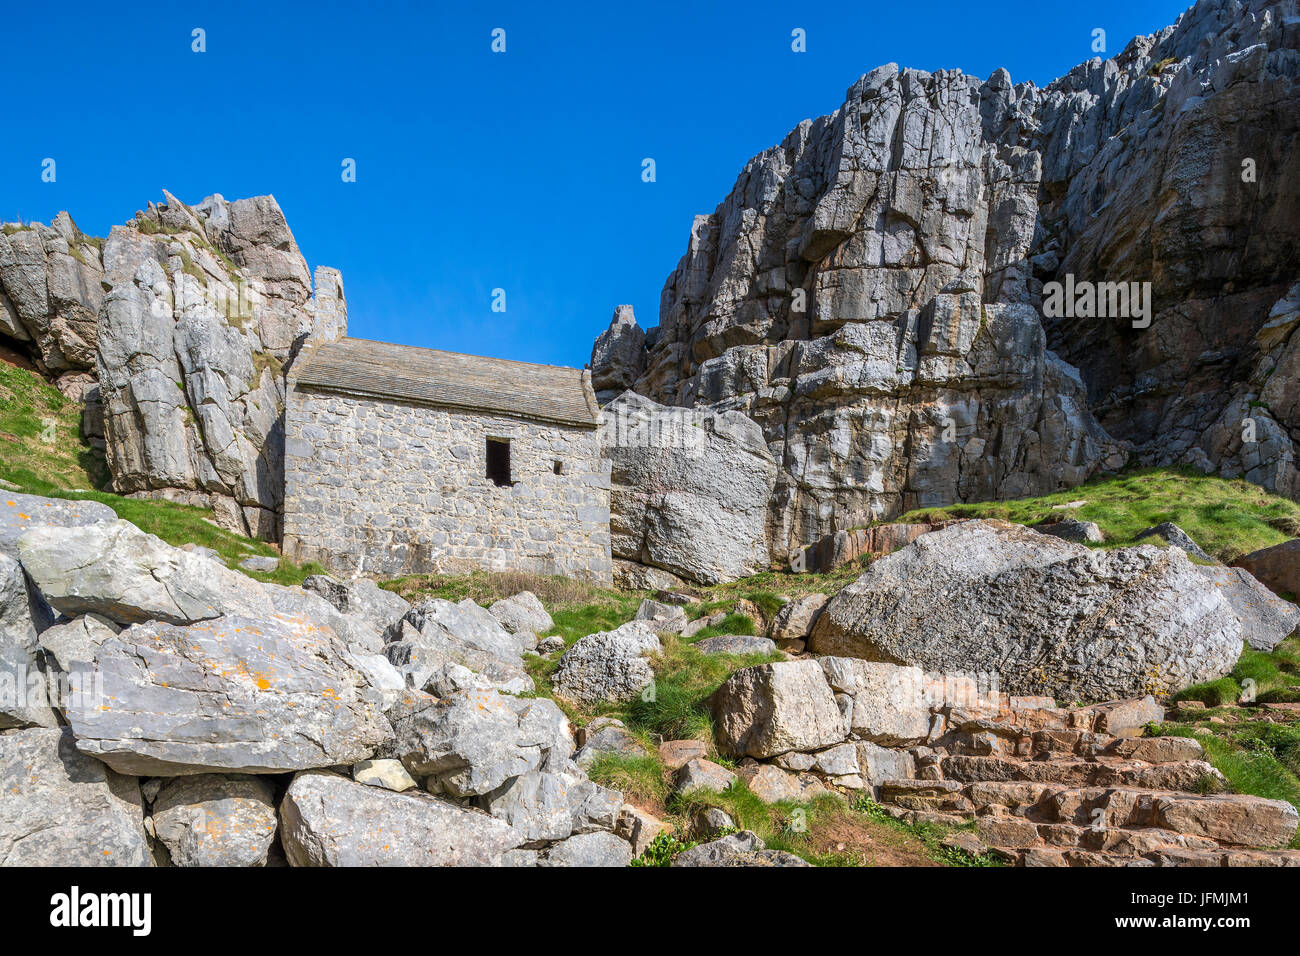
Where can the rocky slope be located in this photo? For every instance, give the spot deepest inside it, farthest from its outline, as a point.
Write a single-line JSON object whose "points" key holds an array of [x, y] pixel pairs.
{"points": [[175, 329], [871, 291]]}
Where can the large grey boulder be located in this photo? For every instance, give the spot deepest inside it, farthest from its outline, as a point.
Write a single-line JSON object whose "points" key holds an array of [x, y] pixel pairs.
{"points": [[24, 690], [1045, 616], [216, 820], [770, 709], [522, 614], [438, 634], [663, 618], [240, 694], [689, 489], [608, 665], [1266, 619], [328, 820], [544, 806], [20, 513], [62, 808], [473, 741], [115, 569]]}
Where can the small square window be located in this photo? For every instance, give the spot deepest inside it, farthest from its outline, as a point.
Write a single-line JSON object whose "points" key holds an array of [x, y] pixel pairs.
{"points": [[498, 461], [559, 467]]}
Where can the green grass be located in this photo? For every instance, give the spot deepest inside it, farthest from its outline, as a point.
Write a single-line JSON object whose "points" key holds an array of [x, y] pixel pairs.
{"points": [[1226, 518], [733, 623]]}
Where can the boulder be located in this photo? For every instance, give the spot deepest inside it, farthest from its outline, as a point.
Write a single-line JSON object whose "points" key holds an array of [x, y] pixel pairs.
{"points": [[664, 618], [328, 820], [632, 576], [439, 633], [1266, 619], [1175, 536], [549, 645], [388, 774], [676, 753], [771, 784], [638, 828], [472, 742], [770, 709], [114, 569], [77, 641], [62, 808], [21, 513], [362, 634], [1046, 616], [689, 489], [522, 614], [1277, 568], [250, 695], [588, 849], [736, 644], [702, 774], [738, 849], [1070, 529], [264, 564], [608, 665], [889, 701], [794, 622], [215, 820], [543, 807]]}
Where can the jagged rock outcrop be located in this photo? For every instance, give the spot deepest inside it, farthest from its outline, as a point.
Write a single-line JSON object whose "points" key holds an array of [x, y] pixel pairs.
{"points": [[870, 292], [176, 329]]}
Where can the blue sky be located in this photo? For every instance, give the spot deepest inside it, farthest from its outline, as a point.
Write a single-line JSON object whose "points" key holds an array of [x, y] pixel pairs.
{"points": [[475, 170]]}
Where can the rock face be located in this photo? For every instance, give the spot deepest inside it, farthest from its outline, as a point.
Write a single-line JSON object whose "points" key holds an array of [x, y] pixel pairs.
{"points": [[327, 820], [690, 489], [250, 695], [438, 634], [176, 328], [871, 291], [62, 808], [618, 357], [1046, 616]]}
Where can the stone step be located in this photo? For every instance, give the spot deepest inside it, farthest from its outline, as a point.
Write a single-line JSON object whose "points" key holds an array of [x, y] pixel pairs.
{"points": [[1183, 775], [1026, 813]]}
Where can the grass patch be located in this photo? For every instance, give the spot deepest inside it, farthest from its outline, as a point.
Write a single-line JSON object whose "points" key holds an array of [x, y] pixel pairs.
{"points": [[1227, 518], [733, 623], [40, 435]]}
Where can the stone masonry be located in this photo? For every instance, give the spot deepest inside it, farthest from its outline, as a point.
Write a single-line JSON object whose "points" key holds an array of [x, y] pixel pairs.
{"points": [[385, 488]]}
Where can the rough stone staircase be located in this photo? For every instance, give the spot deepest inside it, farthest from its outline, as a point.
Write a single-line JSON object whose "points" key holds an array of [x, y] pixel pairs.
{"points": [[1075, 787]]}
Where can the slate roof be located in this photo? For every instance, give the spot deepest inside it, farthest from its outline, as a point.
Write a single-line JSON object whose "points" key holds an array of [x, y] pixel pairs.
{"points": [[382, 370]]}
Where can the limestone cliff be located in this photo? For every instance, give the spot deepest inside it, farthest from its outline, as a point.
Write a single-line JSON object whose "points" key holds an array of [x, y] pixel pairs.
{"points": [[175, 329], [871, 290]]}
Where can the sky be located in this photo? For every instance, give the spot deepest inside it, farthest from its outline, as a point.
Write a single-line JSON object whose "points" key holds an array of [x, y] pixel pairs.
{"points": [[475, 170]]}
